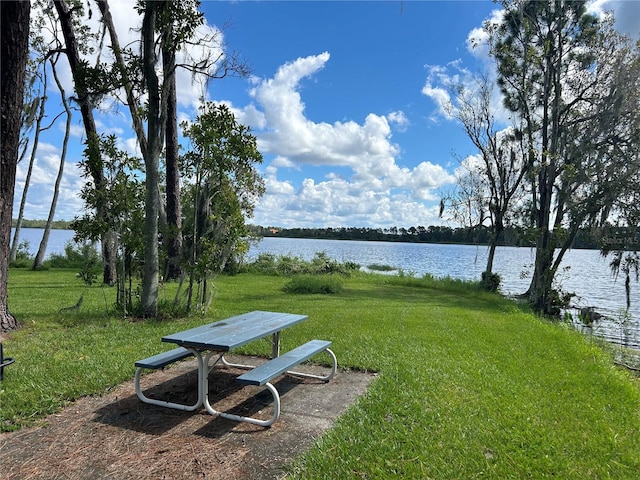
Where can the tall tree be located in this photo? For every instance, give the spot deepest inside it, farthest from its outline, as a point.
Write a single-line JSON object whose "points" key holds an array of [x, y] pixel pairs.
{"points": [[224, 186], [39, 258], [39, 112], [14, 51], [558, 69], [178, 23], [82, 84], [494, 182], [156, 122], [173, 221]]}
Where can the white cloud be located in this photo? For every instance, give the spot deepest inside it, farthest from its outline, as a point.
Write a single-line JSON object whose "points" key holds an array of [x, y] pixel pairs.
{"points": [[40, 192], [440, 83], [372, 189], [283, 162], [399, 119], [626, 14], [478, 38]]}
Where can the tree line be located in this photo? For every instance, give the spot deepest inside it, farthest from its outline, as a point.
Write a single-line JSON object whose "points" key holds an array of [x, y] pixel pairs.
{"points": [[56, 224], [595, 239]]}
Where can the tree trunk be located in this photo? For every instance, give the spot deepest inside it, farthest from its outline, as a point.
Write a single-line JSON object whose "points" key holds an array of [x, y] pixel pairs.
{"points": [[151, 161], [37, 263], [14, 51], [27, 181], [94, 160], [133, 104], [173, 234]]}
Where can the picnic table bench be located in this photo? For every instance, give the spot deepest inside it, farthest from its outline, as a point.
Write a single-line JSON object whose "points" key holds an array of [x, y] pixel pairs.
{"points": [[217, 338]]}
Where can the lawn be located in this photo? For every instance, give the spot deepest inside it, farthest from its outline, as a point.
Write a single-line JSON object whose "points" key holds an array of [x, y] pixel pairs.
{"points": [[470, 385]]}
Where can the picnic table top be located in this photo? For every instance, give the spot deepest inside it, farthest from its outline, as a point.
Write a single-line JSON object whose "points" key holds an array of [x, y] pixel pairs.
{"points": [[233, 332]]}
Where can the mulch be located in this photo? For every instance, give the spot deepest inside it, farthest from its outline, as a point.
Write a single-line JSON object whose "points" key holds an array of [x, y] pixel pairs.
{"points": [[116, 436]]}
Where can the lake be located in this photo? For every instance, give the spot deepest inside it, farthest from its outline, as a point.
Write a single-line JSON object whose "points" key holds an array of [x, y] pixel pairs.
{"points": [[584, 272]]}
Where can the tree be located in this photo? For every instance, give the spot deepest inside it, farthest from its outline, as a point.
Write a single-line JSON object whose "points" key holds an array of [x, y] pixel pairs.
{"points": [[176, 23], [14, 51], [487, 191], [34, 112], [173, 224], [81, 74], [559, 71], [123, 214], [224, 186], [39, 258]]}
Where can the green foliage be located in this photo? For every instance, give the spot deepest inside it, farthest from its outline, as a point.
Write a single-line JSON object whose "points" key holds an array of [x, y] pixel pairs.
{"points": [[121, 201], [490, 281], [224, 185], [324, 284], [380, 268], [76, 255], [285, 265], [23, 258]]}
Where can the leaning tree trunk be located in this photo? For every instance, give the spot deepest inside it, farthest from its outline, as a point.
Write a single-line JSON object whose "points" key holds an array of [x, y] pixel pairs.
{"points": [[37, 262], [94, 160], [27, 181], [14, 51]]}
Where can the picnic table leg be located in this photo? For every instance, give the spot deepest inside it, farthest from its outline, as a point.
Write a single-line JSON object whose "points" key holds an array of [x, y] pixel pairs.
{"points": [[240, 418], [204, 389], [324, 378], [235, 365], [275, 352], [164, 403], [275, 345]]}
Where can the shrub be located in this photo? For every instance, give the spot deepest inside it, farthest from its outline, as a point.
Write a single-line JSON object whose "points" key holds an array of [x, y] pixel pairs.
{"points": [[23, 257], [321, 264], [380, 267], [76, 255], [490, 281]]}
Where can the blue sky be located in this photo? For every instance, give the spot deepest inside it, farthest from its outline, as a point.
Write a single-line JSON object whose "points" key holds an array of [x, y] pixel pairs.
{"points": [[344, 97]]}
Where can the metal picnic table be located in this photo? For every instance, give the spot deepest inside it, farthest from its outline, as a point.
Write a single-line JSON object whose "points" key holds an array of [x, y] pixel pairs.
{"points": [[217, 338]]}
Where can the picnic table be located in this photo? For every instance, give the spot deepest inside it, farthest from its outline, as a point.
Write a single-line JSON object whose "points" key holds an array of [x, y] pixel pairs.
{"points": [[214, 340]]}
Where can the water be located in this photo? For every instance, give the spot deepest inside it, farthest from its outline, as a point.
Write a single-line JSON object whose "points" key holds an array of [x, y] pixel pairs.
{"points": [[584, 272], [57, 240]]}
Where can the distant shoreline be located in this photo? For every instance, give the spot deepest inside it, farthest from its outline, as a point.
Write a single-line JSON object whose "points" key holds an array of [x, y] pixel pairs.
{"points": [[56, 224], [623, 238]]}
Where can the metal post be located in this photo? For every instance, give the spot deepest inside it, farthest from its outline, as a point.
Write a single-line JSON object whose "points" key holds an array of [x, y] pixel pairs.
{"points": [[275, 345]]}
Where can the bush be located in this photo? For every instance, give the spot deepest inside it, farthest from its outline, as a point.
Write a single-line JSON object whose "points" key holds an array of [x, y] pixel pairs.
{"points": [[76, 255], [325, 284], [378, 267], [321, 264], [23, 257], [490, 281]]}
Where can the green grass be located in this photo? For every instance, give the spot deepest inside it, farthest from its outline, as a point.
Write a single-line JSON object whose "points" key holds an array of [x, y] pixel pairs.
{"points": [[469, 384], [326, 284]]}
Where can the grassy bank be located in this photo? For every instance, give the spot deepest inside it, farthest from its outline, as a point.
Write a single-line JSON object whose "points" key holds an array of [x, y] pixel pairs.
{"points": [[469, 386]]}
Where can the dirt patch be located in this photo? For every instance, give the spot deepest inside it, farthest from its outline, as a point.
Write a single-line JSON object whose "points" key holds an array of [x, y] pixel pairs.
{"points": [[115, 436]]}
